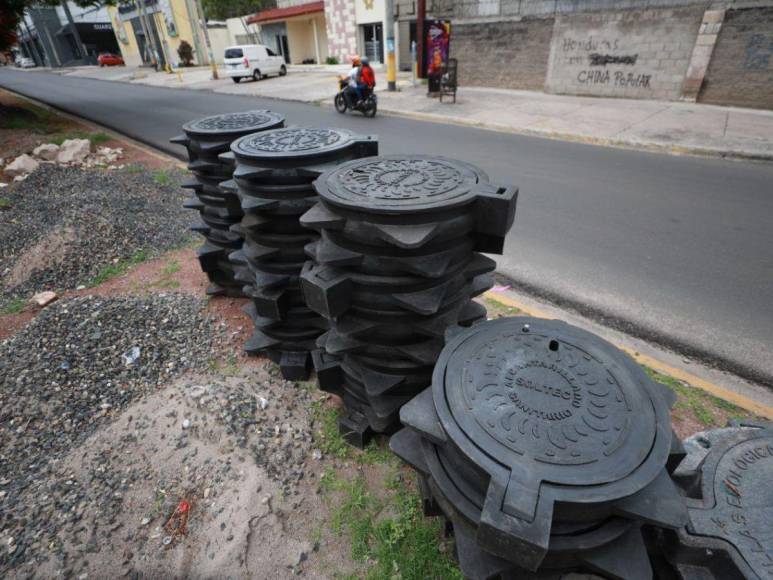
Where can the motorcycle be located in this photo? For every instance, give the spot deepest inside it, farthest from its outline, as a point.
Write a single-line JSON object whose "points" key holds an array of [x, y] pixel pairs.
{"points": [[367, 105]]}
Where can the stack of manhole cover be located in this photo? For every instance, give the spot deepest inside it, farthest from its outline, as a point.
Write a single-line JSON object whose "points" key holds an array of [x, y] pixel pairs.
{"points": [[727, 477], [395, 266], [273, 176], [205, 139], [547, 449]]}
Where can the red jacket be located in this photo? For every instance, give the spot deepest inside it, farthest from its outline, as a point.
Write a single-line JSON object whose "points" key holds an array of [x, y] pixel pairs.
{"points": [[368, 77]]}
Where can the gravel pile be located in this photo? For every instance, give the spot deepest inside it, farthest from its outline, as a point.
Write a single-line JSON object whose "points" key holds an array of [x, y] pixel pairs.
{"points": [[60, 227], [79, 363]]}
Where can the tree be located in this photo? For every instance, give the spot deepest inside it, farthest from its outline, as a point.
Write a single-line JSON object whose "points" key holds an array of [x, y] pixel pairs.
{"points": [[222, 9], [185, 52]]}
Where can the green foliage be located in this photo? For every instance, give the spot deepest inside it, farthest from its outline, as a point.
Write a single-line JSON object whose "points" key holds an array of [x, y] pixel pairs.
{"points": [[163, 178], [708, 410], [331, 60], [13, 307], [185, 52], [95, 138], [222, 9], [331, 442], [390, 534], [111, 271]]}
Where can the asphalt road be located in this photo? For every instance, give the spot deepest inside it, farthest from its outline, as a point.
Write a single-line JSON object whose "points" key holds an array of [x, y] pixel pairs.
{"points": [[678, 250]]}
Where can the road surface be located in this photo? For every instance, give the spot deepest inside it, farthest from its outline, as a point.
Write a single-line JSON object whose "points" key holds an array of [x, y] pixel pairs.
{"points": [[678, 250]]}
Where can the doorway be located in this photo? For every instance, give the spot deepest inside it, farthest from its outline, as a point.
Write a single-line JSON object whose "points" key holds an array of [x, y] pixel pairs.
{"points": [[373, 38]]}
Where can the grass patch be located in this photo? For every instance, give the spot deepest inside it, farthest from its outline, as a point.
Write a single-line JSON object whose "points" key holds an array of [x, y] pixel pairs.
{"points": [[163, 178], [94, 138], [134, 169], [496, 309], [5, 203], [331, 442], [390, 534], [111, 271], [14, 306], [28, 118], [708, 410], [172, 267]]}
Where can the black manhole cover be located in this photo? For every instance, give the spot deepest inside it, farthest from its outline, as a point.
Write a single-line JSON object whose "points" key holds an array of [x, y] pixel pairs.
{"points": [[299, 143], [556, 418], [401, 183], [730, 527], [234, 123]]}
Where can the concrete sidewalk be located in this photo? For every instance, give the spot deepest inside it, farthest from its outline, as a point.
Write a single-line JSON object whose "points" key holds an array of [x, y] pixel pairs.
{"points": [[655, 125]]}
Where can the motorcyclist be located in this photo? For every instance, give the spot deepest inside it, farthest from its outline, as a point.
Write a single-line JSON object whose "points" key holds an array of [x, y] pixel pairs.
{"points": [[367, 78], [351, 92]]}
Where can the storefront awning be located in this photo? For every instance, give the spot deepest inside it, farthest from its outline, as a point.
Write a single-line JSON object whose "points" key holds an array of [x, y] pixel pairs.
{"points": [[284, 13]]}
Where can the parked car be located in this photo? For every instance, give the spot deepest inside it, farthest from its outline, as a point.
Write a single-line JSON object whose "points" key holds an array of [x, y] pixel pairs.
{"points": [[110, 59], [25, 62], [252, 60]]}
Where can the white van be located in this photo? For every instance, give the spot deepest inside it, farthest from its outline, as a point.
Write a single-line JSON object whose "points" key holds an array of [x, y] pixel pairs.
{"points": [[252, 60]]}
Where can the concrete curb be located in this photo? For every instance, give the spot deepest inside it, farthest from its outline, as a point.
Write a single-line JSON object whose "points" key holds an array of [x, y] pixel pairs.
{"points": [[588, 140]]}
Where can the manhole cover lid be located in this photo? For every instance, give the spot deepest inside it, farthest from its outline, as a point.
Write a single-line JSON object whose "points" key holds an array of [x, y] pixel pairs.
{"points": [[738, 498], [547, 402], [294, 142], [230, 123], [401, 183]]}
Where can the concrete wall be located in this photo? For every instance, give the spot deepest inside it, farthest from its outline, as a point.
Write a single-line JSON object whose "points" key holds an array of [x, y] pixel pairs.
{"points": [[741, 68], [300, 37], [505, 54], [635, 53]]}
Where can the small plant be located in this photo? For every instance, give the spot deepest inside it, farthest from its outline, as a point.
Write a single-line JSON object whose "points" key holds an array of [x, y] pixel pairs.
{"points": [[331, 60], [111, 271], [14, 306], [5, 203], [163, 178], [185, 52]]}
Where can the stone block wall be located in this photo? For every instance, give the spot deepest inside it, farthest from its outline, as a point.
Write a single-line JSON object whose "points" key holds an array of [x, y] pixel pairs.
{"points": [[505, 54], [634, 53], [741, 69], [341, 29]]}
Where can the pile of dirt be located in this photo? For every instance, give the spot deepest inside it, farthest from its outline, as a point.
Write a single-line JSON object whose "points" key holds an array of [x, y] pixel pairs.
{"points": [[64, 227]]}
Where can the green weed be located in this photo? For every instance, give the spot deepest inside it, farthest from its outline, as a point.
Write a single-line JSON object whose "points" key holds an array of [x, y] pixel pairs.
{"points": [[701, 405], [5, 203], [391, 534], [14, 306], [94, 138], [112, 270], [163, 178]]}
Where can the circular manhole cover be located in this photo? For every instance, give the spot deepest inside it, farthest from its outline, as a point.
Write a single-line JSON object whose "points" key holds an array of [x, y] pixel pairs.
{"points": [[548, 401], [230, 123], [401, 182], [294, 142]]}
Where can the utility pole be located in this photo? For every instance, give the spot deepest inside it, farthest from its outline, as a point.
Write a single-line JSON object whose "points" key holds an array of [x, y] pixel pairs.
{"points": [[33, 48], [390, 46], [421, 12], [75, 33], [203, 24], [146, 28]]}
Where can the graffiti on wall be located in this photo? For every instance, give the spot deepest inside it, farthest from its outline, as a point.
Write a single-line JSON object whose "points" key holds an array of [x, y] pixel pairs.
{"points": [[759, 51], [602, 62]]}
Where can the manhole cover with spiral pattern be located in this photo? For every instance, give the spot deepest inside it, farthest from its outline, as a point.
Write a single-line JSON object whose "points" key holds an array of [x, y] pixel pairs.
{"points": [[234, 123]]}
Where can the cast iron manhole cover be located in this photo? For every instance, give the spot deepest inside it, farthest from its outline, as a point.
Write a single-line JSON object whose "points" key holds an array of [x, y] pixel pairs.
{"points": [[227, 123], [294, 142], [552, 399], [735, 512], [401, 182]]}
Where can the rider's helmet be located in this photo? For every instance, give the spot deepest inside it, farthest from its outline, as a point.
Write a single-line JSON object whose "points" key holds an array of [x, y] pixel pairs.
{"points": [[365, 61], [355, 60]]}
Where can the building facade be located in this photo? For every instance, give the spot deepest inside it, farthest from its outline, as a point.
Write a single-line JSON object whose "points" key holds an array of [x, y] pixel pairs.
{"points": [[294, 29], [151, 31], [46, 35]]}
